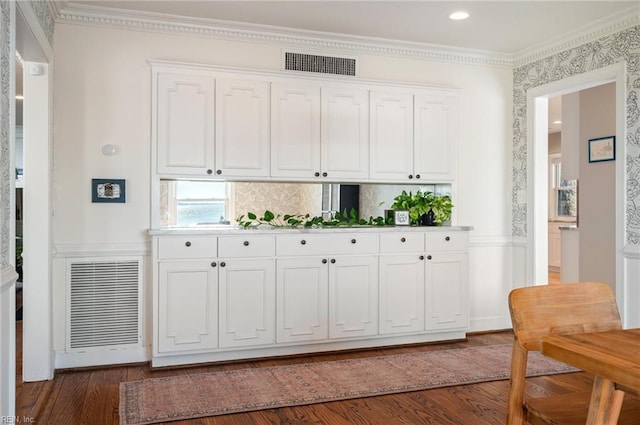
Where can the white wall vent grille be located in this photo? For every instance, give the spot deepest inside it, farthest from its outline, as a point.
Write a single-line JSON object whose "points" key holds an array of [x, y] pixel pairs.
{"points": [[306, 62], [104, 303]]}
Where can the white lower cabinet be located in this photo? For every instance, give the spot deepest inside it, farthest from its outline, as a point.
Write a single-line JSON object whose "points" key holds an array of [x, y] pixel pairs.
{"points": [[401, 293], [353, 296], [244, 295], [187, 306], [247, 302], [302, 299], [446, 304]]}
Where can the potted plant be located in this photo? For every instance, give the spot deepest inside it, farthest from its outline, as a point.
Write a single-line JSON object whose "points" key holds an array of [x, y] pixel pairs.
{"points": [[424, 208]]}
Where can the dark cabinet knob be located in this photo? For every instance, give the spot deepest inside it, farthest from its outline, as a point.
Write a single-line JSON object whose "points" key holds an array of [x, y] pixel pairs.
{"points": [[222, 264], [403, 239], [303, 242], [417, 176], [187, 243], [214, 264], [209, 171], [429, 257], [324, 174], [421, 257], [324, 261], [353, 241], [245, 243], [447, 239], [410, 176], [333, 261], [317, 174], [218, 172]]}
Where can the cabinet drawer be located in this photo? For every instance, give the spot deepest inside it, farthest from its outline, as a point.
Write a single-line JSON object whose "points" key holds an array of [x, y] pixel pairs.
{"points": [[335, 244], [187, 247], [246, 246], [447, 241], [401, 242]]}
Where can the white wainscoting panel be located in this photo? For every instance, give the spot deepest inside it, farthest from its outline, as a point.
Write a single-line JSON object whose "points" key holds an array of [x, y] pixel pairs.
{"points": [[8, 278]]}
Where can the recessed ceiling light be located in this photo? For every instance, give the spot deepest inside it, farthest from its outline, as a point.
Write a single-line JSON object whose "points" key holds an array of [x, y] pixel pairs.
{"points": [[459, 15], [557, 122], [19, 97]]}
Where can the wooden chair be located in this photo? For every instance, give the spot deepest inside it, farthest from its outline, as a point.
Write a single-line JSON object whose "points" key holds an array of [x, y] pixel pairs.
{"points": [[567, 308]]}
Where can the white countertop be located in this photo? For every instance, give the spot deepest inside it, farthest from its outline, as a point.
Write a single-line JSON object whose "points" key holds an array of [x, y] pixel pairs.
{"points": [[236, 230]]}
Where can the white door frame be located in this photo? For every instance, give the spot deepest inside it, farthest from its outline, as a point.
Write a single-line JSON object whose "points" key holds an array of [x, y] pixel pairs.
{"points": [[537, 151], [37, 54]]}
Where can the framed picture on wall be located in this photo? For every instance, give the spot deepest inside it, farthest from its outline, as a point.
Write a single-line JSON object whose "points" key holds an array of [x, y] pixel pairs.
{"points": [[602, 149], [108, 190]]}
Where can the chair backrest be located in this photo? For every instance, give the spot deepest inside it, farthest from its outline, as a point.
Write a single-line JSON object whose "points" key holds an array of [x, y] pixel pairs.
{"points": [[562, 309]]}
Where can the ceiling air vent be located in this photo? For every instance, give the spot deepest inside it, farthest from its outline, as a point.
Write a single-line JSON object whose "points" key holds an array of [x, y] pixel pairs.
{"points": [[104, 303], [322, 64]]}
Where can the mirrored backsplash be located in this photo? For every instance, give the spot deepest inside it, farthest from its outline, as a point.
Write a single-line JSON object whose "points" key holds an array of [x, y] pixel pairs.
{"points": [[192, 203]]}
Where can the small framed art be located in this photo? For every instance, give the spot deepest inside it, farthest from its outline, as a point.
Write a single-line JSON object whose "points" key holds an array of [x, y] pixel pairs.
{"points": [[108, 190], [400, 217], [602, 149]]}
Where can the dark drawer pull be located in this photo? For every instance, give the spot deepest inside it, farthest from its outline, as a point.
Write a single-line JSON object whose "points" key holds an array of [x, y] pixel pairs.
{"points": [[222, 264], [324, 174], [303, 242], [421, 257], [218, 172], [353, 241], [187, 243], [317, 174], [410, 176], [214, 264], [417, 176], [447, 239], [403, 239], [245, 243], [333, 260], [429, 257], [209, 171], [324, 261]]}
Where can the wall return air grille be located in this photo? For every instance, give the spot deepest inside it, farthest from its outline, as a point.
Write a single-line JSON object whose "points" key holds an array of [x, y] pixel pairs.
{"points": [[316, 63], [104, 303]]}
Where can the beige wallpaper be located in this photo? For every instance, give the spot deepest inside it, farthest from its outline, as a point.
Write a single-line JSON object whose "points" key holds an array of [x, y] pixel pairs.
{"points": [[279, 198]]}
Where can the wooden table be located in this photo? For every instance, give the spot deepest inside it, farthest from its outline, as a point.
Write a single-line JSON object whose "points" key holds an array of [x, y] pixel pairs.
{"points": [[612, 356]]}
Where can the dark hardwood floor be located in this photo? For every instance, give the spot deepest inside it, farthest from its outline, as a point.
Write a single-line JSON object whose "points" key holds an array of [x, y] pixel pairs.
{"points": [[90, 396]]}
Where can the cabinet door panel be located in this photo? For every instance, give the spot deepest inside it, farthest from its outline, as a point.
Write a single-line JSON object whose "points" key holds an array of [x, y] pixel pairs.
{"points": [[242, 128], [446, 291], [391, 139], [302, 299], [187, 307], [295, 130], [247, 302], [436, 123], [185, 124], [345, 133], [353, 297], [401, 293]]}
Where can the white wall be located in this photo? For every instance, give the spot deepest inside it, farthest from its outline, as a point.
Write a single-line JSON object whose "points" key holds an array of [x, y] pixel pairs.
{"points": [[102, 94]]}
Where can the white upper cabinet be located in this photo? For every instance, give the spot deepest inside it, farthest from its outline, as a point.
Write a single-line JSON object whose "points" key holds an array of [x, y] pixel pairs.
{"points": [[391, 135], [295, 130], [185, 126], [319, 132], [344, 133], [436, 133], [242, 128]]}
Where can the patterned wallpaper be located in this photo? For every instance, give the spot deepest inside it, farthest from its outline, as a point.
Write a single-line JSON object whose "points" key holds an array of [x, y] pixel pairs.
{"points": [[45, 18], [6, 76], [623, 46]]}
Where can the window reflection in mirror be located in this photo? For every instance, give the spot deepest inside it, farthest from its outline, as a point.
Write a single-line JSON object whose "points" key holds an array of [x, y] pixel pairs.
{"points": [[191, 203]]}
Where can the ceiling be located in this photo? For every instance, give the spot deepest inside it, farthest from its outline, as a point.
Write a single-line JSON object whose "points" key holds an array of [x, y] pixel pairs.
{"points": [[505, 27]]}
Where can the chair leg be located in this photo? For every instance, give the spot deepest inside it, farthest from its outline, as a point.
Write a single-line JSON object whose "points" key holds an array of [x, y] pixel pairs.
{"points": [[516, 384], [605, 404]]}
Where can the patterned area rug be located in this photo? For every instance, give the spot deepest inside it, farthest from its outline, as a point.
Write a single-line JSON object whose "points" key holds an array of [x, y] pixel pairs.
{"points": [[158, 400]]}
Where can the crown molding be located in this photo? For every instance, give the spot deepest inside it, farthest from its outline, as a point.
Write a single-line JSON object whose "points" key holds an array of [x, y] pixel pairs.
{"points": [[236, 31], [621, 21]]}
